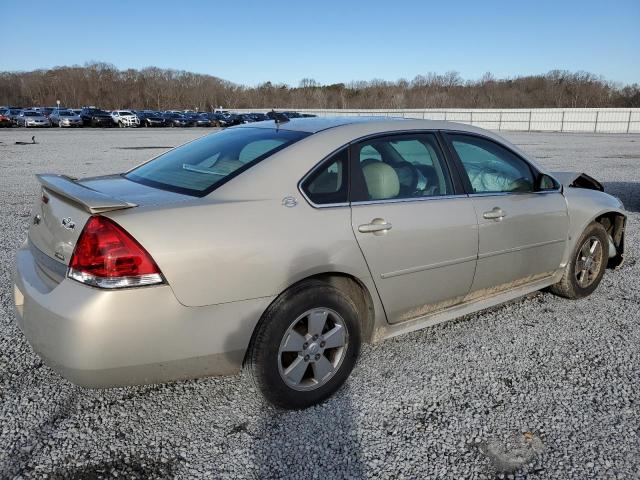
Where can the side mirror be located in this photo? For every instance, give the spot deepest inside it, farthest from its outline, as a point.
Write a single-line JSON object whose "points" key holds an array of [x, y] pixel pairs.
{"points": [[545, 182]]}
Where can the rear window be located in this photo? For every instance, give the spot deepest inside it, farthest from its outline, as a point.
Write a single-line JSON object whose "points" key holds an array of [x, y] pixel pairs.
{"points": [[199, 167]]}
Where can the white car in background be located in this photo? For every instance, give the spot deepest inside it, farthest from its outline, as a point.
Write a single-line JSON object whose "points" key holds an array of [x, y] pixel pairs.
{"points": [[125, 118]]}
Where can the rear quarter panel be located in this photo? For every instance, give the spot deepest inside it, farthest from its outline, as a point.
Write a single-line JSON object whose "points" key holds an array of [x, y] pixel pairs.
{"points": [[240, 242], [218, 252]]}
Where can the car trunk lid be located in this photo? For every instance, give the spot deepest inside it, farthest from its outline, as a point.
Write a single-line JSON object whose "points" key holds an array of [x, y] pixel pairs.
{"points": [[59, 216], [66, 204]]}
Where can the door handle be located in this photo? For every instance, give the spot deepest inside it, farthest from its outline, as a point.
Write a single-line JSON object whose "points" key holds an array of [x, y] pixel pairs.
{"points": [[495, 214], [377, 226]]}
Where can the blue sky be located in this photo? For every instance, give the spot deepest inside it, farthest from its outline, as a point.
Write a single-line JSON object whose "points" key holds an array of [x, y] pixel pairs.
{"points": [[331, 41]]}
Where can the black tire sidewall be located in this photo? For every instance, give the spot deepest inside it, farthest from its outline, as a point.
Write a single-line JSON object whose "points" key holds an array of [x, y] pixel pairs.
{"points": [[593, 230], [272, 328]]}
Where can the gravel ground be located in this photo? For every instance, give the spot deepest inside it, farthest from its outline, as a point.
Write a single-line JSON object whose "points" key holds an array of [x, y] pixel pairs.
{"points": [[543, 387]]}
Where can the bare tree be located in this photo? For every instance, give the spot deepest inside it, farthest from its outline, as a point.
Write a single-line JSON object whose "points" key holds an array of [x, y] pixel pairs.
{"points": [[103, 85]]}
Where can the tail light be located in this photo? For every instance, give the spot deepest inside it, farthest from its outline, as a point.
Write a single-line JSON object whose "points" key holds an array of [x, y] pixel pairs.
{"points": [[106, 256]]}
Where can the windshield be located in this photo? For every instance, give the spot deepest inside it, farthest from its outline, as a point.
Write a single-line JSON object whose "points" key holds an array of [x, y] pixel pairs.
{"points": [[66, 114], [199, 167], [31, 114]]}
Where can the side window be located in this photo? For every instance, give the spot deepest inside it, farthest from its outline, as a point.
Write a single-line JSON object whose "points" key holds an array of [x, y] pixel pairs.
{"points": [[368, 153], [490, 167], [408, 166], [329, 183]]}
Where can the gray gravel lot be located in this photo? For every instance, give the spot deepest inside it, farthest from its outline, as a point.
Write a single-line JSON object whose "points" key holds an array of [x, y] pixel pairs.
{"points": [[544, 385]]}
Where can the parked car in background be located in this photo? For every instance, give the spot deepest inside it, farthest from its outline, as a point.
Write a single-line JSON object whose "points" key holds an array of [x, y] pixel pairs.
{"points": [[173, 119], [65, 118], [32, 118], [12, 113], [216, 119], [95, 117], [198, 119], [150, 119], [47, 111], [259, 117], [246, 118], [5, 119], [282, 248], [125, 118], [231, 119]]}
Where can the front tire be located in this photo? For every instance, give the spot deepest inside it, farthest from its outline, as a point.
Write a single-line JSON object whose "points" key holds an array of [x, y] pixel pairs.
{"points": [[587, 265], [305, 345]]}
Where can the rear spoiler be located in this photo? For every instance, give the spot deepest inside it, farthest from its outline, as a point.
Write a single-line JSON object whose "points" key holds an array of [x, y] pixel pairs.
{"points": [[90, 200]]}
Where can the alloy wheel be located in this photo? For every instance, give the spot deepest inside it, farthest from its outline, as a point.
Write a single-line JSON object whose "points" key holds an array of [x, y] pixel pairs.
{"points": [[589, 261], [312, 349]]}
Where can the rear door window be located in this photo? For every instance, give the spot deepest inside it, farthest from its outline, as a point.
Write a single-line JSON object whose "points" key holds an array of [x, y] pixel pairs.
{"points": [[401, 167]]}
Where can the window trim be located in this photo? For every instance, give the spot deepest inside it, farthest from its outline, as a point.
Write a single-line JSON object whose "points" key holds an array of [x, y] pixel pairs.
{"points": [[451, 151], [319, 166]]}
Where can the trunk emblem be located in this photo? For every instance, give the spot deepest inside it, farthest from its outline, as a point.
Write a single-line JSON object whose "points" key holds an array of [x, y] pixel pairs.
{"points": [[68, 223]]}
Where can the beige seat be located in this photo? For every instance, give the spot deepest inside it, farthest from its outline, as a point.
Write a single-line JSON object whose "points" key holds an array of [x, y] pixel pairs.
{"points": [[382, 181]]}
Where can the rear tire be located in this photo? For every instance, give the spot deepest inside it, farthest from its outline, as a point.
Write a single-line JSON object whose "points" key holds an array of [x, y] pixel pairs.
{"points": [[305, 345], [587, 264]]}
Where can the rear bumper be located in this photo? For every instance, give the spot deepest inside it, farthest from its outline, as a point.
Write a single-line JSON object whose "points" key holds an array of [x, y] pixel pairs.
{"points": [[97, 338]]}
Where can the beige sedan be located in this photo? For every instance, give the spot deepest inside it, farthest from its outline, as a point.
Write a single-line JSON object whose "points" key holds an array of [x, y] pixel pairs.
{"points": [[283, 246]]}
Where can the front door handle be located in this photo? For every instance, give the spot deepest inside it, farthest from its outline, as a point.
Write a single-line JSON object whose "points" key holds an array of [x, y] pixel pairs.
{"points": [[495, 214], [377, 226]]}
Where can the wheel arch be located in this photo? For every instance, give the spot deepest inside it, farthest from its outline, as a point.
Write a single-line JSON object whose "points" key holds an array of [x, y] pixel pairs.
{"points": [[351, 286], [614, 223]]}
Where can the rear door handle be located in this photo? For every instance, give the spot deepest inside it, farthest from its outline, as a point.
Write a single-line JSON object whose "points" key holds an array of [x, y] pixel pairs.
{"points": [[377, 226], [495, 214]]}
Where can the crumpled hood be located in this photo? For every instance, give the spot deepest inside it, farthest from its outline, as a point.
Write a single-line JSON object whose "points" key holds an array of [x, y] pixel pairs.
{"points": [[578, 180]]}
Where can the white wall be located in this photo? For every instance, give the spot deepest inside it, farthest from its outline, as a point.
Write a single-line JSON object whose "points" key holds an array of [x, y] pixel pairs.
{"points": [[601, 120]]}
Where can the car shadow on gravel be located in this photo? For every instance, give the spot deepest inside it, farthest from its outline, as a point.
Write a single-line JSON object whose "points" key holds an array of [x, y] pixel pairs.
{"points": [[36, 437], [318, 442], [628, 192], [134, 469]]}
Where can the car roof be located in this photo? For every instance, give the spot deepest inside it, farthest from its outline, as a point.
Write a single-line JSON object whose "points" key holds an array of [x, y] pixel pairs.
{"points": [[366, 124], [358, 127], [317, 124]]}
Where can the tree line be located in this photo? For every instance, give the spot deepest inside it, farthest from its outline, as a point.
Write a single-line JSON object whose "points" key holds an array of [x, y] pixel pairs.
{"points": [[105, 86]]}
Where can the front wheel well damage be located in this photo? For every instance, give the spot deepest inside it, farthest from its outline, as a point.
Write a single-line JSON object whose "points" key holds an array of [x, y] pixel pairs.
{"points": [[614, 224]]}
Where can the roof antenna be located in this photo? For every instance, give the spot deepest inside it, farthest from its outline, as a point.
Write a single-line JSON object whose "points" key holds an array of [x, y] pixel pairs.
{"points": [[279, 117]]}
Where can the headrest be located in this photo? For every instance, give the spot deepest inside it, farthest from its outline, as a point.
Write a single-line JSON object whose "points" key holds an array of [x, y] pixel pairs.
{"points": [[382, 180]]}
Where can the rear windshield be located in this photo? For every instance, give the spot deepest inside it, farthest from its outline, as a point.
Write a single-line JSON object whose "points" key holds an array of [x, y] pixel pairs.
{"points": [[199, 167]]}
